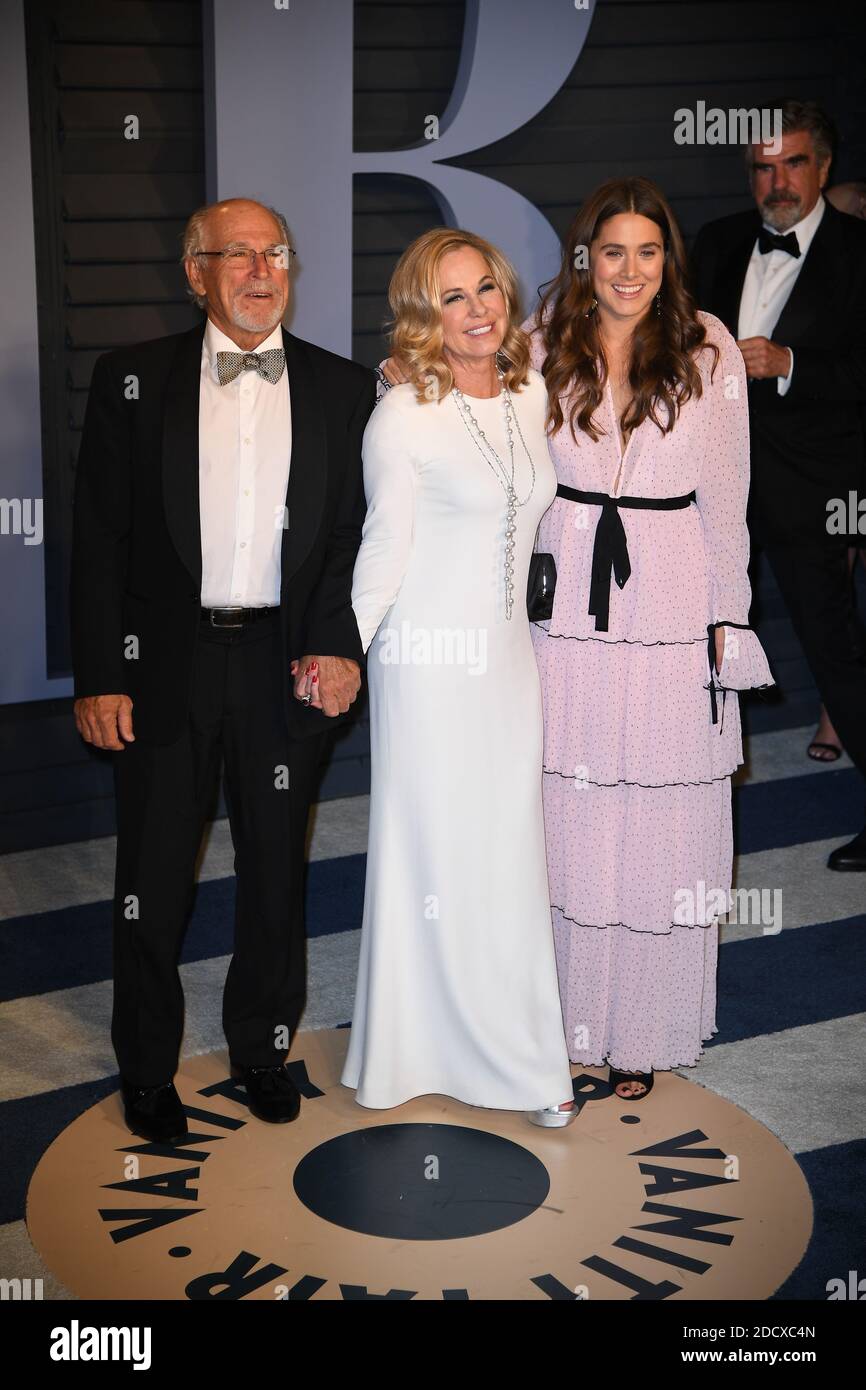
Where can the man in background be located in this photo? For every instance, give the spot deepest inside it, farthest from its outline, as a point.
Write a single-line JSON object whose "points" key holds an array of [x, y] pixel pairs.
{"points": [[788, 279]]}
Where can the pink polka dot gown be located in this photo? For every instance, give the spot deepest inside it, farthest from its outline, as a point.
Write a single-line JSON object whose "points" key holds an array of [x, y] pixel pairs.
{"points": [[636, 781]]}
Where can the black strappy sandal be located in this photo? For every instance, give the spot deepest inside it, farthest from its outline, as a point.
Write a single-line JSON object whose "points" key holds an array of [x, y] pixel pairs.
{"points": [[643, 1077], [830, 747]]}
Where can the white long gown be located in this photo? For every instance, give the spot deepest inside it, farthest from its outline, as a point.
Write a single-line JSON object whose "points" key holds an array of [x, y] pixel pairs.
{"points": [[457, 991]]}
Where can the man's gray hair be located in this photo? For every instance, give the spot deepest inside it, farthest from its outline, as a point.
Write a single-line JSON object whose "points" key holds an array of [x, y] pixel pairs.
{"points": [[805, 115], [194, 230]]}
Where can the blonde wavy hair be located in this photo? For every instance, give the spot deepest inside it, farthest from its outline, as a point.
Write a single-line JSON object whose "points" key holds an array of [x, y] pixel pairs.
{"points": [[415, 331]]}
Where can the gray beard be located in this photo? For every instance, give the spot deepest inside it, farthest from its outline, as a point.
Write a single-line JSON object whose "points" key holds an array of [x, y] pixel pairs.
{"points": [[254, 323], [782, 216]]}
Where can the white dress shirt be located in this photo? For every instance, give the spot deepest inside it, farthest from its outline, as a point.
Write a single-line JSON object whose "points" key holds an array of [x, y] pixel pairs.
{"points": [[769, 280], [245, 445]]}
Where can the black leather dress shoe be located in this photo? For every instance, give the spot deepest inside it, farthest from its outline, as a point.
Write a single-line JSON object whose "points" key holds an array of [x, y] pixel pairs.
{"points": [[271, 1093], [154, 1112], [850, 857]]}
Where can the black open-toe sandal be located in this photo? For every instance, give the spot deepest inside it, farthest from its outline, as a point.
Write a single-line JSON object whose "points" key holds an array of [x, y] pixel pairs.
{"points": [[832, 748], [645, 1079]]}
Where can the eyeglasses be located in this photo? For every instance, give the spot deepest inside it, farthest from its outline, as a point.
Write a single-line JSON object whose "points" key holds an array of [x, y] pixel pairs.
{"points": [[277, 257]]}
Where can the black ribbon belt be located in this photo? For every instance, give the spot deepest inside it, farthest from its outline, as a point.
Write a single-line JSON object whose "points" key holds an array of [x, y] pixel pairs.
{"points": [[610, 548]]}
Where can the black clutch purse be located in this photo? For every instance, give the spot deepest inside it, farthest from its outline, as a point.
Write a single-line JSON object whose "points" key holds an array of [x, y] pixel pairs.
{"points": [[540, 586]]}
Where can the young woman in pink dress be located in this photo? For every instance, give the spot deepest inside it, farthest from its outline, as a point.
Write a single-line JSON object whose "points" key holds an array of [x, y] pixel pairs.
{"points": [[648, 430]]}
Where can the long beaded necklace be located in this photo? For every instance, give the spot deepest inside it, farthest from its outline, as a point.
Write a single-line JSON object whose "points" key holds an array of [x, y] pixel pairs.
{"points": [[501, 473]]}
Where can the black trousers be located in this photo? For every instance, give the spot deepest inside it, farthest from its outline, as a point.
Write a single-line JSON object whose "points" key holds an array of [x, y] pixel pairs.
{"points": [[163, 794], [815, 584]]}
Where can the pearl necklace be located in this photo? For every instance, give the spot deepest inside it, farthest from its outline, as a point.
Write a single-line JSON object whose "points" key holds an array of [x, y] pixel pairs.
{"points": [[504, 476]]}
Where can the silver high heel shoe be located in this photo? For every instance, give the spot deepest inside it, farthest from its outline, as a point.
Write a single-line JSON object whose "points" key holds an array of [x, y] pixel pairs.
{"points": [[553, 1116]]}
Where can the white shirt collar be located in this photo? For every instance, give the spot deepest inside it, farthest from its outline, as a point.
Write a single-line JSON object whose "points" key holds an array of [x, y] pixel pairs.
{"points": [[216, 341], [805, 229]]}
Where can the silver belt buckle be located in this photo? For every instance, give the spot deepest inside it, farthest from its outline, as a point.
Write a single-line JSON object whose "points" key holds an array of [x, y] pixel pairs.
{"points": [[225, 610]]}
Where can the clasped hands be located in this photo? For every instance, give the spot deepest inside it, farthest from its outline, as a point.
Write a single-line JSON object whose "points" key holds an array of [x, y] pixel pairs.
{"points": [[332, 682]]}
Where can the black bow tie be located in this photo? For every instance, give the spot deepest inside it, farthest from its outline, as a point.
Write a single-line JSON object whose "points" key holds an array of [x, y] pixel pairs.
{"points": [[769, 241]]}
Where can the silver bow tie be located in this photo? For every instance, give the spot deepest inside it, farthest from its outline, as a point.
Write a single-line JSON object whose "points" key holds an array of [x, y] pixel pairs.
{"points": [[268, 364]]}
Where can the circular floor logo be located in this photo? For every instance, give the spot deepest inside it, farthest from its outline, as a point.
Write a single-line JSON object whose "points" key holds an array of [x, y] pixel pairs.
{"points": [[680, 1196]]}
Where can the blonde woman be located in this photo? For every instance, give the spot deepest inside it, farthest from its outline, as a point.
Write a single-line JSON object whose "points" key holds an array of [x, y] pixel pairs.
{"points": [[457, 988]]}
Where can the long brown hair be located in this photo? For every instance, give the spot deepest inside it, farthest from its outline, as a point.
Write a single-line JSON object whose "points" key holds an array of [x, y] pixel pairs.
{"points": [[662, 370], [416, 335]]}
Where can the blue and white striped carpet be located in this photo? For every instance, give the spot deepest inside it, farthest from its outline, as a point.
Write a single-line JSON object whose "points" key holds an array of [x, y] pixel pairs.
{"points": [[790, 1050]]}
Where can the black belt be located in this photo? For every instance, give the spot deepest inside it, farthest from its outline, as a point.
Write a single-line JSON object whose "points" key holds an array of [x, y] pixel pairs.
{"points": [[235, 617], [610, 548]]}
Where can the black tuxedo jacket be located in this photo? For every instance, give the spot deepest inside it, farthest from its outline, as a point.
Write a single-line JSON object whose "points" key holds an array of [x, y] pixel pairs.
{"points": [[136, 555], [807, 446]]}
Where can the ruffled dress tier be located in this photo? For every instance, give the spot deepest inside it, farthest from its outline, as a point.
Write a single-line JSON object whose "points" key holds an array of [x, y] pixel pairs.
{"points": [[638, 751]]}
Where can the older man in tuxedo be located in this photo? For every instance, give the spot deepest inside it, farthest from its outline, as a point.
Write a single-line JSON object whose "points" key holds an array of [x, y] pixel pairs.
{"points": [[789, 281], [218, 511]]}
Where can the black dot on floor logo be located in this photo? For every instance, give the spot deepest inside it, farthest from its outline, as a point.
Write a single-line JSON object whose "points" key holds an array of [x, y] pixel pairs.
{"points": [[421, 1182]]}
